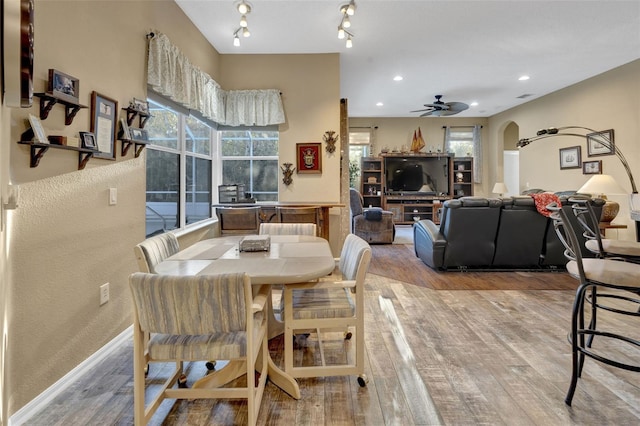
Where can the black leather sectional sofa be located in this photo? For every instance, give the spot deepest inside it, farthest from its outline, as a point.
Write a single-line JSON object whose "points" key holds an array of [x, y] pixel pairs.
{"points": [[491, 234]]}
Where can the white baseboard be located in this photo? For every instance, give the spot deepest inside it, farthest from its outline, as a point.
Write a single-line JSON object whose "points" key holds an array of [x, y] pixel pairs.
{"points": [[38, 403]]}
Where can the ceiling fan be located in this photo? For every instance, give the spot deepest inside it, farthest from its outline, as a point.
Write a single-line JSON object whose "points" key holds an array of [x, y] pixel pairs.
{"points": [[440, 109]]}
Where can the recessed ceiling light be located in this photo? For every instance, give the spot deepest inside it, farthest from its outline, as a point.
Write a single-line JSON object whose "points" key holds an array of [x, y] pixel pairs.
{"points": [[473, 104], [397, 78], [379, 104], [524, 78]]}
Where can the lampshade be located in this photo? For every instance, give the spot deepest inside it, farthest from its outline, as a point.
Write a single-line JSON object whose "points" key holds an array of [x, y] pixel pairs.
{"points": [[500, 188], [601, 185]]}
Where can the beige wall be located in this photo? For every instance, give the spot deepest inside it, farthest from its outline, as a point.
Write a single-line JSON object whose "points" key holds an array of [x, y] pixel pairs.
{"points": [[607, 101], [393, 133], [5, 126]]}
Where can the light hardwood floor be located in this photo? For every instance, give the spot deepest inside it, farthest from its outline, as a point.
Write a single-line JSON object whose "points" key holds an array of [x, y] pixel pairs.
{"points": [[489, 349]]}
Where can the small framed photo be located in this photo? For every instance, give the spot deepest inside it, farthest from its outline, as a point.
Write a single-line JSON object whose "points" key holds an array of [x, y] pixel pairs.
{"points": [[140, 105], [125, 134], [570, 158], [88, 140], [309, 157], [138, 134], [592, 167], [595, 145], [63, 86], [39, 135]]}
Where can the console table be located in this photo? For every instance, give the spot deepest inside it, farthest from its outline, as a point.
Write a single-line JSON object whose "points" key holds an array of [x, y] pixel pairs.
{"points": [[268, 212]]}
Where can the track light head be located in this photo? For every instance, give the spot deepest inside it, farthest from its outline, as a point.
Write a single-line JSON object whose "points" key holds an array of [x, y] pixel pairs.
{"points": [[243, 21], [236, 40], [346, 22], [245, 32], [349, 43], [348, 9], [243, 7], [341, 34]]}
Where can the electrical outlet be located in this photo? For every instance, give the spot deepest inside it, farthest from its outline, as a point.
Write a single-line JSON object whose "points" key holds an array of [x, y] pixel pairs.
{"points": [[104, 293]]}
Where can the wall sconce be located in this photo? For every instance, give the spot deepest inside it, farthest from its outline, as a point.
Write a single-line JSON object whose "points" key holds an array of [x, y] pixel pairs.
{"points": [[287, 173], [330, 138]]}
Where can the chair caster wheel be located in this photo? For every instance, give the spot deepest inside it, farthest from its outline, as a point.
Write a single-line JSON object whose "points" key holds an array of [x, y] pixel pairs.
{"points": [[363, 380], [182, 382], [211, 365], [348, 335]]}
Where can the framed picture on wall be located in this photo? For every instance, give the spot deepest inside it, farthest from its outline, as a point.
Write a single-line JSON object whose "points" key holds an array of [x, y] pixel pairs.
{"points": [[103, 125], [309, 157], [63, 86], [595, 146], [88, 140], [570, 158], [592, 167]]}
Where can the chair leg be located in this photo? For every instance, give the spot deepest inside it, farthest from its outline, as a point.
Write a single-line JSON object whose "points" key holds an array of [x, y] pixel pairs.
{"points": [[594, 310], [575, 358]]}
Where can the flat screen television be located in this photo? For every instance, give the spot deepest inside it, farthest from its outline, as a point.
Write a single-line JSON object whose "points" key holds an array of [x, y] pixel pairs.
{"points": [[420, 175]]}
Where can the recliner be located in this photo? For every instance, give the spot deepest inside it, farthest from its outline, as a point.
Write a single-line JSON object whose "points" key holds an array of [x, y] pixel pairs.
{"points": [[373, 225]]}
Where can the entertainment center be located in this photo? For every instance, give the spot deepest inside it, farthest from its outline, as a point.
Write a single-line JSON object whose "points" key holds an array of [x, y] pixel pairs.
{"points": [[413, 186]]}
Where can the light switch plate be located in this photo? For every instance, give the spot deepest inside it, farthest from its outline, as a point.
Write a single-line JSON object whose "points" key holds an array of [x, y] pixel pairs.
{"points": [[113, 196]]}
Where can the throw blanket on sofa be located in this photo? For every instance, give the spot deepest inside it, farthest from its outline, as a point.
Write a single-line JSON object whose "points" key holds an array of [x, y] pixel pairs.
{"points": [[543, 199]]}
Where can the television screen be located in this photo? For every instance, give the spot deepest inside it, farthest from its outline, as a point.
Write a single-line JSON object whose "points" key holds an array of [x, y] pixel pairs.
{"points": [[422, 175]]}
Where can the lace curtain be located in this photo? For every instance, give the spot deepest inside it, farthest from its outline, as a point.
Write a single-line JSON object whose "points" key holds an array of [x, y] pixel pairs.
{"points": [[171, 74]]}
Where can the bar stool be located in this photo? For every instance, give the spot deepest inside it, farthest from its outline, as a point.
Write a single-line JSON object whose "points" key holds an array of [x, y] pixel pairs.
{"points": [[605, 284]]}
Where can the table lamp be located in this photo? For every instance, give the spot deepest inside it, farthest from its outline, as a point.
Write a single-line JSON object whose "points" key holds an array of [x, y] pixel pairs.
{"points": [[500, 188], [600, 186]]}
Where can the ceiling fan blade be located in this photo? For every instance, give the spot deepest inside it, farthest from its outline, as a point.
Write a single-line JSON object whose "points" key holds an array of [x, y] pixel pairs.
{"points": [[420, 110], [428, 114], [457, 106]]}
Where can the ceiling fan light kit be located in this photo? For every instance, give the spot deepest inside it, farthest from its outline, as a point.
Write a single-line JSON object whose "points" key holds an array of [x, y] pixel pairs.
{"points": [[442, 109]]}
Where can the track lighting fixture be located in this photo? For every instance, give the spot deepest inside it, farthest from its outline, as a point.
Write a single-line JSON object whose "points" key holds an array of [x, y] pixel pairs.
{"points": [[244, 8], [346, 10]]}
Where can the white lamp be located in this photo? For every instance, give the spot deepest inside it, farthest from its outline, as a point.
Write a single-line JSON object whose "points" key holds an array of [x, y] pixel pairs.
{"points": [[600, 186], [500, 188]]}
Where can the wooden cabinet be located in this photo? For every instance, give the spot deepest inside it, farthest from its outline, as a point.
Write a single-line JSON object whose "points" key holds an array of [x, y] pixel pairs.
{"points": [[410, 209], [462, 176], [371, 175]]}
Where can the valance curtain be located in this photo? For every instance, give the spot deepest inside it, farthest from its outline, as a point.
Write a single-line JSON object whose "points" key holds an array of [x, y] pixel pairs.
{"points": [[171, 74]]}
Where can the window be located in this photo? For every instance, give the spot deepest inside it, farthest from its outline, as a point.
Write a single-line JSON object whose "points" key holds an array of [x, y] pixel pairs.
{"points": [[359, 146], [250, 157], [465, 141], [179, 170]]}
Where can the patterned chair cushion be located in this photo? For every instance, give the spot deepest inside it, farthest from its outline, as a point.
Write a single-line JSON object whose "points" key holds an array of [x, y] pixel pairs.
{"points": [[323, 303], [288, 229]]}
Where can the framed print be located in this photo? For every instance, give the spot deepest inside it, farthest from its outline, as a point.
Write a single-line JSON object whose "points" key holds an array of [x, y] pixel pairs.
{"points": [[309, 157], [592, 167], [139, 134], [570, 158], [88, 140], [595, 147], [103, 125], [125, 134], [63, 86], [140, 105], [39, 135]]}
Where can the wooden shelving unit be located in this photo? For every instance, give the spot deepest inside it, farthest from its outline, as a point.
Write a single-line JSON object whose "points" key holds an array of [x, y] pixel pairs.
{"points": [[462, 176], [371, 174], [38, 150], [47, 101]]}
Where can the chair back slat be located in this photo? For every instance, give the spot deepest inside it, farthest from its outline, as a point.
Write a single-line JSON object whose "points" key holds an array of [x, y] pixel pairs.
{"points": [[297, 214], [190, 305]]}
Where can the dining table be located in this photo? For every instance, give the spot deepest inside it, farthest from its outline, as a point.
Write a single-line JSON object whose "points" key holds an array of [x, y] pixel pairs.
{"points": [[289, 259]]}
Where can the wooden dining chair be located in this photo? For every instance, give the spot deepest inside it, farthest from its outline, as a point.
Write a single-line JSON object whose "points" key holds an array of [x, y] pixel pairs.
{"points": [[238, 220], [297, 214], [330, 305], [194, 318], [154, 250], [606, 285]]}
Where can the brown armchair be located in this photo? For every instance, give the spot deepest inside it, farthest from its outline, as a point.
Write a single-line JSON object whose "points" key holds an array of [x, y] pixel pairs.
{"points": [[373, 225]]}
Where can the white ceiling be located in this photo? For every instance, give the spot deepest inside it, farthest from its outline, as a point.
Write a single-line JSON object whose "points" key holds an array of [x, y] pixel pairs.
{"points": [[464, 50]]}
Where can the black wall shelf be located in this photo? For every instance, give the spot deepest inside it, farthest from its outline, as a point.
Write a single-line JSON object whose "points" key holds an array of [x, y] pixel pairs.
{"points": [[47, 101], [38, 150]]}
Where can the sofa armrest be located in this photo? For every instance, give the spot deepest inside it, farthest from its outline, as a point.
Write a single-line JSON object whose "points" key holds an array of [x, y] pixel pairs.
{"points": [[429, 244]]}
